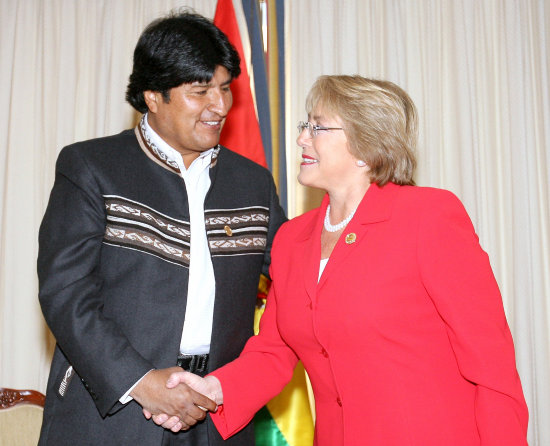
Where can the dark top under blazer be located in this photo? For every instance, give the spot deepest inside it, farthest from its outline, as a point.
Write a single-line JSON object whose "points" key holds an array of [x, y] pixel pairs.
{"points": [[113, 276]]}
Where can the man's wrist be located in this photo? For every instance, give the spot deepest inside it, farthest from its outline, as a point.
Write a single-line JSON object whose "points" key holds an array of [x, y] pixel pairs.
{"points": [[131, 393]]}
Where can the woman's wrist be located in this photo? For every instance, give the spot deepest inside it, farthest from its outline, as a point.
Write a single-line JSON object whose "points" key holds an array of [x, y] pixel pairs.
{"points": [[215, 393]]}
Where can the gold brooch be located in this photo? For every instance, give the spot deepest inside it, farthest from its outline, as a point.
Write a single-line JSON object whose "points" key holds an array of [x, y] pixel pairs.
{"points": [[350, 238]]}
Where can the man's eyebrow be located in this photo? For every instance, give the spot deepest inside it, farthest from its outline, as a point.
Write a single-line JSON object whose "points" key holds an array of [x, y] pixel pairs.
{"points": [[199, 84]]}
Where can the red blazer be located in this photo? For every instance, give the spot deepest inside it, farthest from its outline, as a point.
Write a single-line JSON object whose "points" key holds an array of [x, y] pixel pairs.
{"points": [[404, 337]]}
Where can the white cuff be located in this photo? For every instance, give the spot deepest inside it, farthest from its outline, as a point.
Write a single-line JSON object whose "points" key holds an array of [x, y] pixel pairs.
{"points": [[126, 398]]}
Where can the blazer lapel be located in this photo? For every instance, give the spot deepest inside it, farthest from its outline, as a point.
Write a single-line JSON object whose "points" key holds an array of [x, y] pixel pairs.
{"points": [[375, 207], [308, 244]]}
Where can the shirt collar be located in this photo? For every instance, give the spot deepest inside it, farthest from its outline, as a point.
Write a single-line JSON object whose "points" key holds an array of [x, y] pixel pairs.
{"points": [[166, 154]]}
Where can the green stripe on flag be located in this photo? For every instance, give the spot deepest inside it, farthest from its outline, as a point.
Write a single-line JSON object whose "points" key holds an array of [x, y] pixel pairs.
{"points": [[266, 431]]}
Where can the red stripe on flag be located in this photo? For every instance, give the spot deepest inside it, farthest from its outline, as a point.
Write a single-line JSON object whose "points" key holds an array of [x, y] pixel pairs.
{"points": [[241, 132]]}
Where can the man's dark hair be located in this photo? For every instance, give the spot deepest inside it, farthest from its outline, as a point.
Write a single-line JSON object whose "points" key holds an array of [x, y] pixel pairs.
{"points": [[182, 48]]}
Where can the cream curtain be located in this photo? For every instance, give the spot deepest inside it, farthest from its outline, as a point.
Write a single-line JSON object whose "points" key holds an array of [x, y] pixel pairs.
{"points": [[478, 71]]}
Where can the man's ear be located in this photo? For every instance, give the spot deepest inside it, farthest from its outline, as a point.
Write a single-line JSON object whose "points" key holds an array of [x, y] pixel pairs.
{"points": [[152, 99]]}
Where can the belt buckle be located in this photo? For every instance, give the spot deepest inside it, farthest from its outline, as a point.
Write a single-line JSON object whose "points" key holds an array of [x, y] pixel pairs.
{"points": [[193, 363]]}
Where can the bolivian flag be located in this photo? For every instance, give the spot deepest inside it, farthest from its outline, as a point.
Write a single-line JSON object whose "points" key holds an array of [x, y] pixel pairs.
{"points": [[255, 129]]}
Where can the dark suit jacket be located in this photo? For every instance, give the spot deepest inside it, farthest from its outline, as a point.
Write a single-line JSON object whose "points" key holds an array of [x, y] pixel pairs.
{"points": [[404, 337], [113, 273]]}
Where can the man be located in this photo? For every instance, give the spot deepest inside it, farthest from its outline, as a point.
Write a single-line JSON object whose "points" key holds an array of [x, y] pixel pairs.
{"points": [[151, 250]]}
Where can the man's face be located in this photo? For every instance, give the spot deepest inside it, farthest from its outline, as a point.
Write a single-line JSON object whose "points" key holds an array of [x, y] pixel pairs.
{"points": [[191, 122]]}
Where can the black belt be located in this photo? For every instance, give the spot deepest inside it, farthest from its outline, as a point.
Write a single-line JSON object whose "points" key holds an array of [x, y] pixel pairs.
{"points": [[193, 363]]}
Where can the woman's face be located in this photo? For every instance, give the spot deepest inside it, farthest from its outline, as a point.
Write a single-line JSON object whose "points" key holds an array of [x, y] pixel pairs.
{"points": [[326, 160]]}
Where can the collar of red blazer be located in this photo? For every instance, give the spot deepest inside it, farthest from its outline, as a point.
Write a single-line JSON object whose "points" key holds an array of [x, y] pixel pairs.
{"points": [[376, 206]]}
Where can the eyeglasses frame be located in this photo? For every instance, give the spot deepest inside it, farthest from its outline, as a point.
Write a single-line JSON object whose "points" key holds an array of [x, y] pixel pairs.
{"points": [[314, 129]]}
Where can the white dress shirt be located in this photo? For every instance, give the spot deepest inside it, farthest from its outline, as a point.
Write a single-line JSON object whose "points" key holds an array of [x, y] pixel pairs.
{"points": [[197, 327]]}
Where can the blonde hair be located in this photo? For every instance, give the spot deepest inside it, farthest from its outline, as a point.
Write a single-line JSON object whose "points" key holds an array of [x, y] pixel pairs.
{"points": [[379, 119]]}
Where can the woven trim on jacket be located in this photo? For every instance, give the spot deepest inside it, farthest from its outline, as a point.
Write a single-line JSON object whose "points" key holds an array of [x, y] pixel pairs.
{"points": [[230, 232], [136, 226], [241, 231]]}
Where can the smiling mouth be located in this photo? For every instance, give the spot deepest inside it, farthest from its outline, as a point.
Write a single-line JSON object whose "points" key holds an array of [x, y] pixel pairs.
{"points": [[308, 160], [212, 123]]}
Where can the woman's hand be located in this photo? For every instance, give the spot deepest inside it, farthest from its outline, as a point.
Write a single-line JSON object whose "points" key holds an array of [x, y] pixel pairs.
{"points": [[209, 386]]}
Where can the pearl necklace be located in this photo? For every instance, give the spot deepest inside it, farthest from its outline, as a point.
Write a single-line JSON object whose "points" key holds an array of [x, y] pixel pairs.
{"points": [[337, 226]]}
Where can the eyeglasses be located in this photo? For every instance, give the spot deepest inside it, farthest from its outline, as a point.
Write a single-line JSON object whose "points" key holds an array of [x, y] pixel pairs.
{"points": [[314, 129]]}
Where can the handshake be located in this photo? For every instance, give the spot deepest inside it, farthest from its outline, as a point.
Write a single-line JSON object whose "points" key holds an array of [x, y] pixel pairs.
{"points": [[175, 399]]}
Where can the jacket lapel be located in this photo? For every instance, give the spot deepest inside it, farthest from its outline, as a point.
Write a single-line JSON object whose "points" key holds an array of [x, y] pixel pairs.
{"points": [[376, 207], [308, 245]]}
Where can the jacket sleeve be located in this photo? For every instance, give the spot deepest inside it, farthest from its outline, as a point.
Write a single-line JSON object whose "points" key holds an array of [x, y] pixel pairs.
{"points": [[70, 287], [458, 277], [261, 371]]}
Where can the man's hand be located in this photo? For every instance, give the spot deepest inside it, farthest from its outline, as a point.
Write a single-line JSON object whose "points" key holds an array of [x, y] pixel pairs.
{"points": [[181, 402], [209, 386]]}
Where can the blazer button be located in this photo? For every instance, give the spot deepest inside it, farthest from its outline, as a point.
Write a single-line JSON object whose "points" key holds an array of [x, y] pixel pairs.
{"points": [[339, 401], [228, 231], [324, 353]]}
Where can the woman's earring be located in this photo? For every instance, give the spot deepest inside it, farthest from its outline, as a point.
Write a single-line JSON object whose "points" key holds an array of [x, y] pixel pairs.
{"points": [[360, 163]]}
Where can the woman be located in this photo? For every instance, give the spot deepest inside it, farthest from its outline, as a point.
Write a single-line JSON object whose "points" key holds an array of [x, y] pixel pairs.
{"points": [[383, 292]]}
